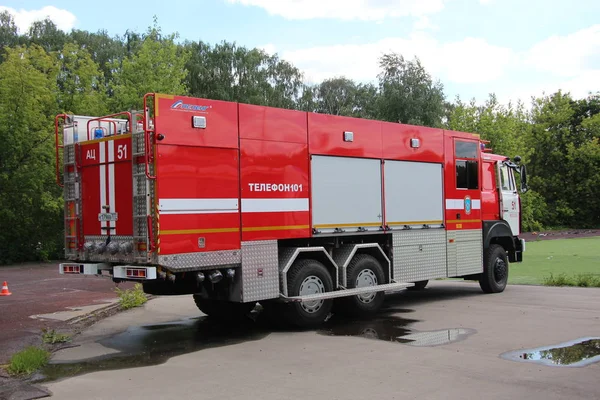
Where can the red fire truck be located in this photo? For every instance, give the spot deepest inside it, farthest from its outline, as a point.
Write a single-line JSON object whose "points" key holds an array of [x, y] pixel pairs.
{"points": [[237, 204]]}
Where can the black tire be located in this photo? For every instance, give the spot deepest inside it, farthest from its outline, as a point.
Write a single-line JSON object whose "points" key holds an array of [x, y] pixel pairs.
{"points": [[367, 268], [223, 310], [420, 285], [307, 275], [495, 270]]}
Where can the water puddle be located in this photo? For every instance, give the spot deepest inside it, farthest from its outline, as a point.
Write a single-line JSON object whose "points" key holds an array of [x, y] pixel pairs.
{"points": [[393, 329], [576, 353], [148, 345]]}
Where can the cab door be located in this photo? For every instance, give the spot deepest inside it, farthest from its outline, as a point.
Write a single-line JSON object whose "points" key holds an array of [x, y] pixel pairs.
{"points": [[509, 196]]}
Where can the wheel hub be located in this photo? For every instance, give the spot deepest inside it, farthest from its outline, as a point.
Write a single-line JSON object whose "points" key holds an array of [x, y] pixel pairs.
{"points": [[312, 285], [366, 278], [500, 270]]}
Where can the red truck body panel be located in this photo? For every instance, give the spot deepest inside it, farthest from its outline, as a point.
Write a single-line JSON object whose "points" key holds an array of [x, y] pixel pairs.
{"points": [[246, 175]]}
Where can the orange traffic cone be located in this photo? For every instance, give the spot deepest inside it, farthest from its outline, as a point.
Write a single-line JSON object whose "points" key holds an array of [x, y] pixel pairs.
{"points": [[5, 291]]}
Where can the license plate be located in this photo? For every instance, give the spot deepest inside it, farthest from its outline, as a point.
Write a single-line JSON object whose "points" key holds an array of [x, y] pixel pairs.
{"points": [[103, 217]]}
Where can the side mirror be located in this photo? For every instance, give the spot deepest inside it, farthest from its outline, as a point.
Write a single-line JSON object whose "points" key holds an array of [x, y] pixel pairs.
{"points": [[523, 173]]}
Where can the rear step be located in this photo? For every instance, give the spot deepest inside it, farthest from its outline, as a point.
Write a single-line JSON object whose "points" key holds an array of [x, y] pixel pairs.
{"points": [[388, 287]]}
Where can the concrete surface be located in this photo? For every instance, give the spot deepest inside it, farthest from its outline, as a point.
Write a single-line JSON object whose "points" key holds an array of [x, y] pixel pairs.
{"points": [[42, 298], [308, 365]]}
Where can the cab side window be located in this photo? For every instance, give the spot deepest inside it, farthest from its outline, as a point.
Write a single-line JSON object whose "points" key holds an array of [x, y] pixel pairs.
{"points": [[467, 167], [505, 181]]}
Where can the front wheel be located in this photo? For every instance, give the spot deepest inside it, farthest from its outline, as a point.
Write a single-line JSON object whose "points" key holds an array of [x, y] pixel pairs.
{"points": [[495, 270]]}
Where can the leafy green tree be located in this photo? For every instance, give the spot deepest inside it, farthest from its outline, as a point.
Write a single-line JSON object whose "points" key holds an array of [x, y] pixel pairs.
{"points": [[158, 65], [30, 200], [80, 83], [104, 50], [9, 35], [230, 72], [408, 93], [342, 96], [46, 34]]}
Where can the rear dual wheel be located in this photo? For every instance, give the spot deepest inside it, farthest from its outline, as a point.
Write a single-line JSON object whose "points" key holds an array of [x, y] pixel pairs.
{"points": [[308, 277], [364, 271]]}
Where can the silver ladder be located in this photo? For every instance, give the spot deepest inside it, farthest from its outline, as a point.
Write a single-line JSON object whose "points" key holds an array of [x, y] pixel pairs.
{"points": [[72, 202], [144, 221]]}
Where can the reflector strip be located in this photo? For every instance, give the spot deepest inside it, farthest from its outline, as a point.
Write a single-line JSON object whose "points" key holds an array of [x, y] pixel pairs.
{"points": [[459, 204], [102, 169], [274, 205], [136, 272], [111, 184], [198, 206], [73, 269], [416, 223]]}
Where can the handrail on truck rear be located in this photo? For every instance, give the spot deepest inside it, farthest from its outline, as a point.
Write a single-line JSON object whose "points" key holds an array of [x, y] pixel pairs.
{"points": [[99, 119], [148, 156], [58, 146]]}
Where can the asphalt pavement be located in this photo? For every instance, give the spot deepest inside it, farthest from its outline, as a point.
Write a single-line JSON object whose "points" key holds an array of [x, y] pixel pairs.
{"points": [[450, 341], [42, 298]]}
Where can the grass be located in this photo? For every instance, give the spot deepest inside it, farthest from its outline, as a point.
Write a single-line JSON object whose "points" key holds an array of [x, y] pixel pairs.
{"points": [[52, 337], [131, 298], [28, 361], [559, 262]]}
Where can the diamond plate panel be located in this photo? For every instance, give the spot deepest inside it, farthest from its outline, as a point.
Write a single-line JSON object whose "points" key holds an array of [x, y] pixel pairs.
{"points": [[342, 257], [198, 261], [469, 251], [287, 255], [419, 255], [260, 270]]}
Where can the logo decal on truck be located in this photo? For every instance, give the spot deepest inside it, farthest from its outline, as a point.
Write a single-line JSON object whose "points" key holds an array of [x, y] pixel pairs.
{"points": [[180, 105], [468, 205]]}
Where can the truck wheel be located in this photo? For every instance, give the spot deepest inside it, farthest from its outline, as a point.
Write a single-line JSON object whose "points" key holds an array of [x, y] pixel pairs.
{"points": [[224, 310], [304, 278], [495, 270], [364, 270], [420, 285]]}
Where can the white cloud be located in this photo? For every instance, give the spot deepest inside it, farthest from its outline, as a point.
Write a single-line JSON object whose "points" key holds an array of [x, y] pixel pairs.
{"points": [[468, 61], [63, 19], [268, 48], [567, 56], [472, 65], [424, 23], [370, 10]]}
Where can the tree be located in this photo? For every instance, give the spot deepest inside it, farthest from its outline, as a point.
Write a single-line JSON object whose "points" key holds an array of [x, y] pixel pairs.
{"points": [[80, 83], [230, 72], [158, 65], [30, 201], [342, 96], [9, 35], [408, 94], [46, 34]]}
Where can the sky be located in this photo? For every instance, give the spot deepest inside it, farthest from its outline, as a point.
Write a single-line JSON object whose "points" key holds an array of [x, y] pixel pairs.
{"points": [[513, 48]]}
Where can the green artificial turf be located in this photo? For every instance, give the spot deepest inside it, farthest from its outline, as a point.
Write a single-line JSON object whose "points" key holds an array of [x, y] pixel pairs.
{"points": [[570, 262]]}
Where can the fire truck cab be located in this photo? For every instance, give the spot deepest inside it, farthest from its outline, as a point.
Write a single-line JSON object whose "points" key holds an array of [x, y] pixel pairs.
{"points": [[238, 204]]}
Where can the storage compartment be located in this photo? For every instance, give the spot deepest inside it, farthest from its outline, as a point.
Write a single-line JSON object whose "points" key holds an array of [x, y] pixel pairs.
{"points": [[346, 194], [413, 193]]}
